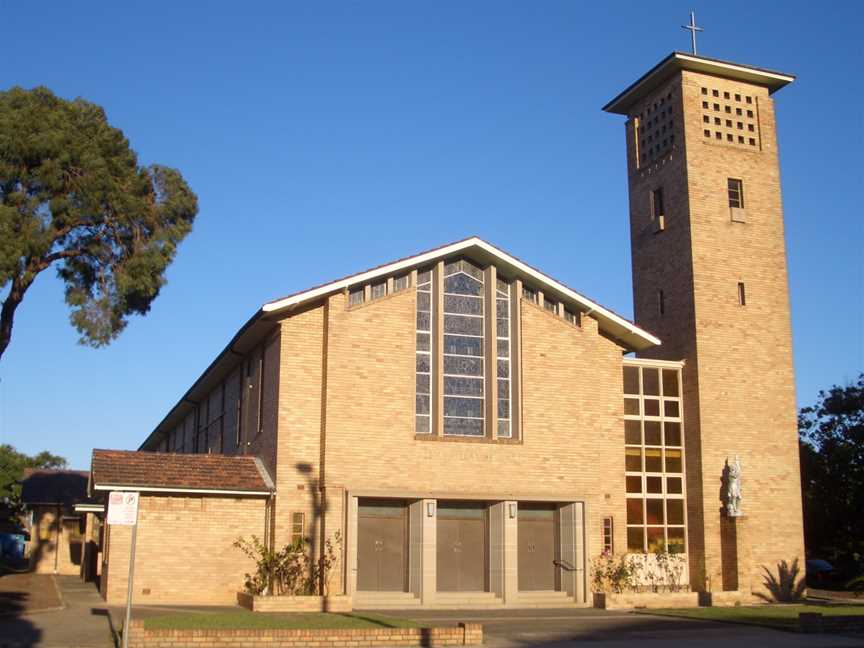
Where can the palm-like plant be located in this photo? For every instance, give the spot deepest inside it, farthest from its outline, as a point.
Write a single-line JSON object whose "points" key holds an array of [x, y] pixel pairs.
{"points": [[786, 587]]}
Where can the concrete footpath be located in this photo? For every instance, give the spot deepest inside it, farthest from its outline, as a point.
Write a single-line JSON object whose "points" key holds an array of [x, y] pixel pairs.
{"points": [[83, 621]]}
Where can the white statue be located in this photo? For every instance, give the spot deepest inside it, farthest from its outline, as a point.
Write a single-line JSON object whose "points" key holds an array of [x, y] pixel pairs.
{"points": [[733, 488]]}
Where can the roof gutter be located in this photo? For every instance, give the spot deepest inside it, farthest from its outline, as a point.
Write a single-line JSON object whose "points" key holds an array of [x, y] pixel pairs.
{"points": [[171, 489]]}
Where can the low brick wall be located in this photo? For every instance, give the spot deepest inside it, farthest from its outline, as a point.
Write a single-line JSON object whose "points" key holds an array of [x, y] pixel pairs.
{"points": [[728, 599], [294, 603], [629, 600], [814, 622], [466, 634]]}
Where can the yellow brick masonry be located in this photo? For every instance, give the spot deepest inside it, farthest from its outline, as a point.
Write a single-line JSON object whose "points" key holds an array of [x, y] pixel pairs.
{"points": [[470, 634], [184, 551], [572, 431], [746, 376], [55, 545], [738, 376]]}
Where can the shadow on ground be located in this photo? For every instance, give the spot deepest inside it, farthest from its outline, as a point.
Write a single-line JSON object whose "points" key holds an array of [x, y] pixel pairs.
{"points": [[15, 629]]}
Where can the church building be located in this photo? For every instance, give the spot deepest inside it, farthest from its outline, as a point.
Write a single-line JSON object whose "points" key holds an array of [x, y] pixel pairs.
{"points": [[473, 433]]}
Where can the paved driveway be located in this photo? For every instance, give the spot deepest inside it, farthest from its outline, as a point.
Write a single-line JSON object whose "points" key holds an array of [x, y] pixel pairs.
{"points": [[82, 622], [589, 627]]}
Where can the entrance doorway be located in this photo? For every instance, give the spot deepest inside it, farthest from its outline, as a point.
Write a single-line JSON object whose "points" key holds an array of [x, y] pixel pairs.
{"points": [[461, 546], [382, 533], [537, 541]]}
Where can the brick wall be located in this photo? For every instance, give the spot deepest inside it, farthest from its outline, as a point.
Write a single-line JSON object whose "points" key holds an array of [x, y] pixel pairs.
{"points": [[184, 552], [464, 634], [572, 435], [259, 419], [298, 449], [738, 377], [56, 545]]}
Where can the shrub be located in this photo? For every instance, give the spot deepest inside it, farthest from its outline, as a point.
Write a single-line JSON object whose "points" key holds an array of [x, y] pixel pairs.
{"points": [[658, 572], [291, 570]]}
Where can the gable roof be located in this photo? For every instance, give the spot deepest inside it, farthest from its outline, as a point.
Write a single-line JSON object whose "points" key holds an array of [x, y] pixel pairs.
{"points": [[177, 473], [630, 336], [617, 326], [676, 61], [60, 487]]}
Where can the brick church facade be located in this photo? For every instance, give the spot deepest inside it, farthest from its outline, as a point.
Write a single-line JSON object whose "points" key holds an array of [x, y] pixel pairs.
{"points": [[477, 432]]}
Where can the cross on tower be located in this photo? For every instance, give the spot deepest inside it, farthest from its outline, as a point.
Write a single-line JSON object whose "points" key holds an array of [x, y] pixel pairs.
{"points": [[692, 28]]}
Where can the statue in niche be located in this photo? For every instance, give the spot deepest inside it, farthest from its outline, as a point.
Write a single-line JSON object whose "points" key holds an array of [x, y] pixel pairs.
{"points": [[733, 487]]}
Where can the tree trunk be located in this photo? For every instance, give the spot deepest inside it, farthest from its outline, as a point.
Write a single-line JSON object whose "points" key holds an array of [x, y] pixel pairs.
{"points": [[7, 313]]}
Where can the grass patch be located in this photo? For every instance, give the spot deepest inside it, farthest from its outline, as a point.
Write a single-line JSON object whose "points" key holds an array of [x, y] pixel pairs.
{"points": [[242, 620], [774, 616]]}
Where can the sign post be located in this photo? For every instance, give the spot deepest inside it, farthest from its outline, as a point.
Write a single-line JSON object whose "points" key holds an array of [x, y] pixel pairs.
{"points": [[123, 511]]}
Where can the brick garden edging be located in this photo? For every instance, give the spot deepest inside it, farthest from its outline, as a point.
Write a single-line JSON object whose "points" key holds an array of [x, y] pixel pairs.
{"points": [[466, 634], [642, 600], [294, 603]]}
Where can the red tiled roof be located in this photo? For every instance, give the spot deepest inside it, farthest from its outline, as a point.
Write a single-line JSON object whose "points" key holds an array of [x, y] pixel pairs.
{"points": [[162, 470]]}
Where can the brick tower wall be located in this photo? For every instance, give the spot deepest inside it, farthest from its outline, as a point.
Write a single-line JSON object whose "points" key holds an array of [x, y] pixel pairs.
{"points": [[739, 379]]}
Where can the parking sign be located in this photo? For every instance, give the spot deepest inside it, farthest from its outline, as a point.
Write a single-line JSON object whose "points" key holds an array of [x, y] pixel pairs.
{"points": [[122, 508]]}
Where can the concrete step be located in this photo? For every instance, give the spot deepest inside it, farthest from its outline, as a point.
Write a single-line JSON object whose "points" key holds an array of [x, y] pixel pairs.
{"points": [[542, 598], [460, 595], [385, 600], [466, 601]]}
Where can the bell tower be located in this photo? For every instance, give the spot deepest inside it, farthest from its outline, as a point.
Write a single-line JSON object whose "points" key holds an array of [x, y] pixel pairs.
{"points": [[709, 279]]}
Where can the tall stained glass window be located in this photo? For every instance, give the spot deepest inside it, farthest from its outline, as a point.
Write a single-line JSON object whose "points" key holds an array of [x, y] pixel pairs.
{"points": [[463, 353], [423, 411], [502, 322]]}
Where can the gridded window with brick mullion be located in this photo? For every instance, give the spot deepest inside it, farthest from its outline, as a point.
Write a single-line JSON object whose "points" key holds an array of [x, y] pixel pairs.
{"points": [[653, 459], [423, 411], [464, 350], [654, 129], [741, 130]]}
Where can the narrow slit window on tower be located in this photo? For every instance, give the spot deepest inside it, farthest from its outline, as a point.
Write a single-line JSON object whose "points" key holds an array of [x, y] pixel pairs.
{"points": [[736, 193], [657, 207], [742, 294], [661, 302]]}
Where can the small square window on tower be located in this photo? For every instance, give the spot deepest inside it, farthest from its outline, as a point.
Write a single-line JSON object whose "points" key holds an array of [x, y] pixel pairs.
{"points": [[736, 192]]}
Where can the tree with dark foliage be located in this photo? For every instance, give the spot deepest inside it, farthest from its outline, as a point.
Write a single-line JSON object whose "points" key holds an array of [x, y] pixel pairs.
{"points": [[832, 473], [73, 196]]}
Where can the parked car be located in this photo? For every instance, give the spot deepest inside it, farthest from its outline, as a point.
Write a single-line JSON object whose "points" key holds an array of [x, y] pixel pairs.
{"points": [[822, 575]]}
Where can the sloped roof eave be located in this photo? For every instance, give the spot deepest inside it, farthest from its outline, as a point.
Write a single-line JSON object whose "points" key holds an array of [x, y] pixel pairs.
{"points": [[619, 327]]}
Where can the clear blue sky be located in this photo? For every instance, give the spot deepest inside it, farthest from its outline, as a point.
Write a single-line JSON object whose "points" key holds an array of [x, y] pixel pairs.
{"points": [[326, 137]]}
